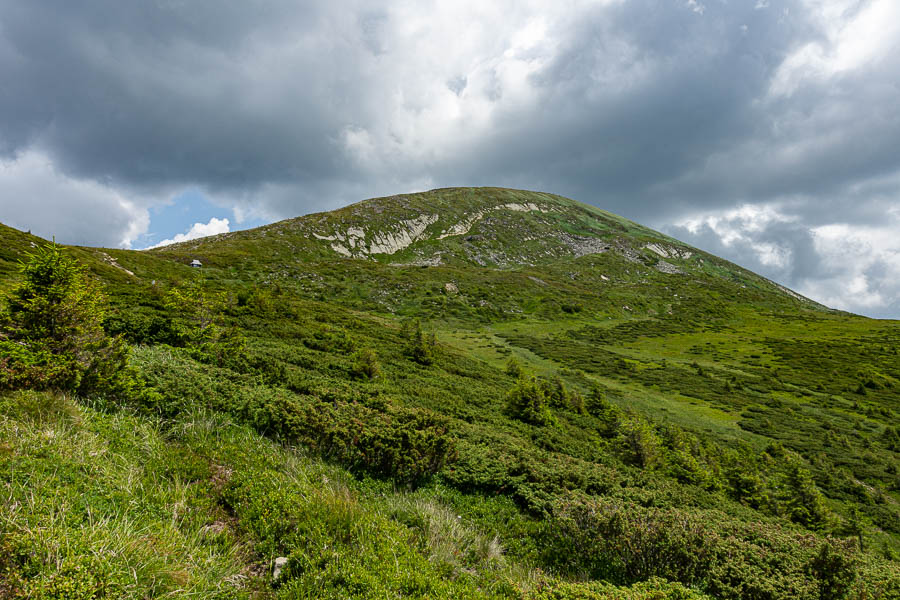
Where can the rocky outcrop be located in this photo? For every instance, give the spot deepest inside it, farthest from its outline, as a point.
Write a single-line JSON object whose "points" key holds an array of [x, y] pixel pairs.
{"points": [[405, 234], [464, 226]]}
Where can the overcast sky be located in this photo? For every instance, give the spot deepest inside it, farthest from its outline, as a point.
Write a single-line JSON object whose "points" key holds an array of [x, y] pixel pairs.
{"points": [[765, 131]]}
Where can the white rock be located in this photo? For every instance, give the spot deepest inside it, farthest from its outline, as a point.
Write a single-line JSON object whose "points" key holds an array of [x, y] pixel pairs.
{"points": [[658, 249], [465, 225], [409, 232], [341, 250], [280, 563]]}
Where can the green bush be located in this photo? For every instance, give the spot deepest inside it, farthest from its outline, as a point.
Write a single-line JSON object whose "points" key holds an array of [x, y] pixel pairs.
{"points": [[624, 543], [144, 328], [421, 347], [555, 391], [330, 339], [834, 572], [803, 500], [202, 324], [407, 445], [652, 589], [528, 401], [365, 364], [514, 368], [640, 443]]}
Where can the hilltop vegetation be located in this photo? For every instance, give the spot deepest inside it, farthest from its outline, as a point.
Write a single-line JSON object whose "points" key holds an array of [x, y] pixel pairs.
{"points": [[462, 393]]}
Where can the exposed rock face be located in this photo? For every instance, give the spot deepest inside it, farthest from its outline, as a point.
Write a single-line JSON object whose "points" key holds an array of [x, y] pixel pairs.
{"points": [[356, 239], [582, 246], [669, 251], [108, 260], [405, 234], [352, 242], [664, 267], [464, 226]]}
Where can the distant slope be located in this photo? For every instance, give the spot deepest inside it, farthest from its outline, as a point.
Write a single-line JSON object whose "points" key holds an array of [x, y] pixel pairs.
{"points": [[494, 228]]}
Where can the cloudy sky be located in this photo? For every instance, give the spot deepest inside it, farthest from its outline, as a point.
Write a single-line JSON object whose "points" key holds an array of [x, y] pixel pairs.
{"points": [[765, 131]]}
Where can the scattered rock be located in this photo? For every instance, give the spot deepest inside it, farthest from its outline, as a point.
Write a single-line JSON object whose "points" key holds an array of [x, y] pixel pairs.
{"points": [[450, 288], [280, 563], [112, 262], [220, 477], [665, 267], [582, 246]]}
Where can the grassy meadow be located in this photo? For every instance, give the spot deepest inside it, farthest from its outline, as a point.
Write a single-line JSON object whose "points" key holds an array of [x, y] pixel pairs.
{"points": [[555, 403]]}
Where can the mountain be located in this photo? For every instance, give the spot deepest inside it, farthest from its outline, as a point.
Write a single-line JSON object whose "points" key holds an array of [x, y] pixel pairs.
{"points": [[464, 227], [469, 392]]}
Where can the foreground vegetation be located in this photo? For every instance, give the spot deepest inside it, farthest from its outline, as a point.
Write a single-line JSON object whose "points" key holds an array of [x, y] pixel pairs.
{"points": [[600, 426]]}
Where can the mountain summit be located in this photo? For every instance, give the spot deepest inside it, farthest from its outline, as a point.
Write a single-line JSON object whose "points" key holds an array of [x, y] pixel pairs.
{"points": [[496, 228]]}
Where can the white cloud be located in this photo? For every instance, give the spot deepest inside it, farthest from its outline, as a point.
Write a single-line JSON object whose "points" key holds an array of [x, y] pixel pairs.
{"points": [[198, 230], [855, 36], [36, 196], [735, 224], [696, 6], [866, 265], [847, 266]]}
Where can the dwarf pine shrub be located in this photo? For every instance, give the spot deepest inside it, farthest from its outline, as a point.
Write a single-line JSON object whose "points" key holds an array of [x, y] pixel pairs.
{"points": [[528, 401]]}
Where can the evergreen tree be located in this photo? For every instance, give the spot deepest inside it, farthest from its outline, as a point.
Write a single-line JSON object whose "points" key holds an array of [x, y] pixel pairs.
{"points": [[52, 336], [527, 401], [421, 346]]}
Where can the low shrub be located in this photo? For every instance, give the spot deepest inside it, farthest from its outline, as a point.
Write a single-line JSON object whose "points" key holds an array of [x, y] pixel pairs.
{"points": [[365, 364], [407, 445], [625, 543], [528, 402]]}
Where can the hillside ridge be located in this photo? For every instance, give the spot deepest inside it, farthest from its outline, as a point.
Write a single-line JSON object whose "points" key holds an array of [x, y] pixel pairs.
{"points": [[466, 227]]}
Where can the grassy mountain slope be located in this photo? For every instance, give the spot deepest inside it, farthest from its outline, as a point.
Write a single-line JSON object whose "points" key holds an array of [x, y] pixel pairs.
{"points": [[689, 423]]}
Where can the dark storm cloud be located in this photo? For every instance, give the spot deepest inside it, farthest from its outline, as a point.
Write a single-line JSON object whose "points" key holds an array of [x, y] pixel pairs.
{"points": [[790, 255], [149, 93], [234, 95], [664, 111], [639, 97]]}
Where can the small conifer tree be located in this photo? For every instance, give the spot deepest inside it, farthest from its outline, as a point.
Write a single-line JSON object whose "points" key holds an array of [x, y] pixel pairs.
{"points": [[365, 364], [52, 336], [203, 325], [527, 401], [421, 346], [514, 368]]}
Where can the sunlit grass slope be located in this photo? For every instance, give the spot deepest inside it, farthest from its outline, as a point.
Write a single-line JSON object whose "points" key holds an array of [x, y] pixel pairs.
{"points": [[603, 412]]}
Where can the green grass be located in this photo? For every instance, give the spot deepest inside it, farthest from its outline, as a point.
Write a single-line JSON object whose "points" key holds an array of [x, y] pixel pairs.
{"points": [[708, 396]]}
